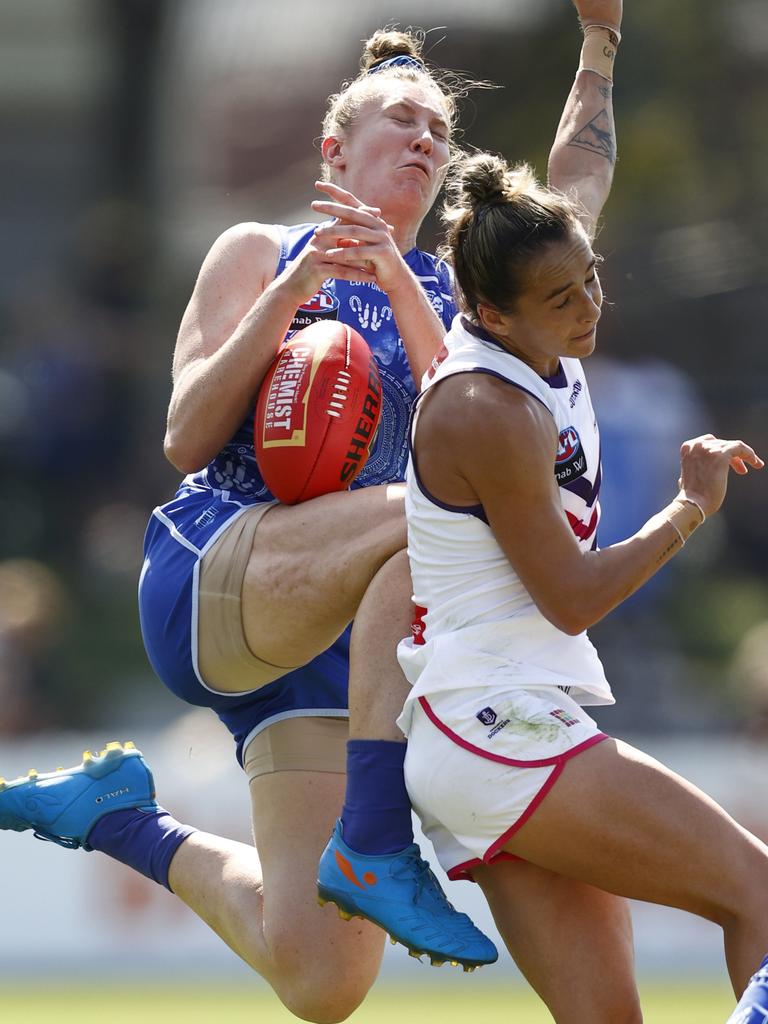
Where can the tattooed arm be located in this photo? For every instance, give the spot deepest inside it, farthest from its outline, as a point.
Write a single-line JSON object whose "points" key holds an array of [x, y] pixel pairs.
{"points": [[584, 151]]}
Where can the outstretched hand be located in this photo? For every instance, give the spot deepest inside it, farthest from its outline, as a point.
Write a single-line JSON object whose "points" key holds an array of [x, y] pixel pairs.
{"points": [[600, 12], [704, 466]]}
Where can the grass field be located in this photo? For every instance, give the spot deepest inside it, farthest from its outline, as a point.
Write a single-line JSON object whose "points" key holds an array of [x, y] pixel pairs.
{"points": [[149, 1004]]}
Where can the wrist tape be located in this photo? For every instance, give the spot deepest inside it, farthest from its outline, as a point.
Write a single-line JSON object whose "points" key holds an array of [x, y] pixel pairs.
{"points": [[598, 51], [685, 515]]}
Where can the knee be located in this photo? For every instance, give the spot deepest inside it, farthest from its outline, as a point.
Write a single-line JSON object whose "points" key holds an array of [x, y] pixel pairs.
{"points": [[322, 997], [321, 982], [601, 1011], [741, 901]]}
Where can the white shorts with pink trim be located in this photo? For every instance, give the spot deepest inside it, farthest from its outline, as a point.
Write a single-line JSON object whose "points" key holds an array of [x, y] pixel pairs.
{"points": [[478, 765]]}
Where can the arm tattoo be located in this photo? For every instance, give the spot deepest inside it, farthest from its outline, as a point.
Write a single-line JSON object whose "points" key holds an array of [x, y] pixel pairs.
{"points": [[597, 137], [669, 550], [605, 91]]}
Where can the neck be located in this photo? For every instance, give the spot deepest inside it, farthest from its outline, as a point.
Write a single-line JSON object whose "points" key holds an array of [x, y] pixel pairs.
{"points": [[405, 240], [405, 229], [544, 367]]}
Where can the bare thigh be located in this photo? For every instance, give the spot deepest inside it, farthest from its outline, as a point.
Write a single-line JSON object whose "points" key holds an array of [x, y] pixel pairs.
{"points": [[621, 821], [572, 942], [310, 566], [312, 951], [636, 828]]}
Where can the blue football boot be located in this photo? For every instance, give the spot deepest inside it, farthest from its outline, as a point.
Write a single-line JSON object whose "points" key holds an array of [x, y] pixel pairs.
{"points": [[399, 893], [63, 806]]}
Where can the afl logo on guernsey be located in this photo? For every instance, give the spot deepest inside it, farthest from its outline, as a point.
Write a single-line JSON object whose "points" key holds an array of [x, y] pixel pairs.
{"points": [[322, 306], [570, 461], [567, 444]]}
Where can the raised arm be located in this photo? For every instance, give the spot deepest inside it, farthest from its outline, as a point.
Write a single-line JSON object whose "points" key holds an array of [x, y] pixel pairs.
{"points": [[584, 151]]}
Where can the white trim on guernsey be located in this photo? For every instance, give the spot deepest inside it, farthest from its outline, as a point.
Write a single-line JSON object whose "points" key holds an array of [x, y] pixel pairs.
{"points": [[171, 527], [194, 624]]}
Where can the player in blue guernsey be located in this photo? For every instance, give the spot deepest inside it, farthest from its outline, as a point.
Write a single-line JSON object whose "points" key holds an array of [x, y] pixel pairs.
{"points": [[246, 604]]}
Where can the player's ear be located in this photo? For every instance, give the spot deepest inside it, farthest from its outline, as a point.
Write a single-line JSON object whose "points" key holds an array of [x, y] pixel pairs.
{"points": [[332, 149], [493, 320]]}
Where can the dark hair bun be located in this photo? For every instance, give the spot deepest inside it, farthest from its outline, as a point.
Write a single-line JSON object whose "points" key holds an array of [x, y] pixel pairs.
{"points": [[384, 44], [482, 179]]}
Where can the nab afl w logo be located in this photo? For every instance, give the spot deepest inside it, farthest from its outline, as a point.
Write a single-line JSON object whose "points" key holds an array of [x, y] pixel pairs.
{"points": [[322, 306], [570, 461]]}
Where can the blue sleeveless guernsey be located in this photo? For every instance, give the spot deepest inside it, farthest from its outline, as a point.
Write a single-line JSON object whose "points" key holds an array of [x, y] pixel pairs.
{"points": [[207, 503]]}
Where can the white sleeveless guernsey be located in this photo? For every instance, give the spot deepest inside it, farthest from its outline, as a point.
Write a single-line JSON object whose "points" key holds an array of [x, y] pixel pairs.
{"points": [[476, 625]]}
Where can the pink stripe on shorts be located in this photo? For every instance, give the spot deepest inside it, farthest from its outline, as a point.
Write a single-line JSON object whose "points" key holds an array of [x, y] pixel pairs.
{"points": [[476, 774]]}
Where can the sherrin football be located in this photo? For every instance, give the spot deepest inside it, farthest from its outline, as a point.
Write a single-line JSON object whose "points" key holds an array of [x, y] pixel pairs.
{"points": [[317, 412]]}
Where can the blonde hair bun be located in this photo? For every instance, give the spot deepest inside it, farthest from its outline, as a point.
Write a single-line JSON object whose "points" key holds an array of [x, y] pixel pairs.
{"points": [[387, 43]]}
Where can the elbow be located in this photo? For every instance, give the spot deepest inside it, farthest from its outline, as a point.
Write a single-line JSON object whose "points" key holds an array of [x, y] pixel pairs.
{"points": [[181, 456], [570, 619], [574, 625]]}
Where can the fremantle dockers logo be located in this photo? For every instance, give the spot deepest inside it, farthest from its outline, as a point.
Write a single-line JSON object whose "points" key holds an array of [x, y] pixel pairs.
{"points": [[487, 716], [570, 461], [322, 306]]}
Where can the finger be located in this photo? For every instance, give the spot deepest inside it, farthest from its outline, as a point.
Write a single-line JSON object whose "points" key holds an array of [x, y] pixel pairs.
{"points": [[337, 234], [738, 449], [332, 189], [746, 463], [364, 215], [348, 272], [354, 252], [344, 196], [738, 466]]}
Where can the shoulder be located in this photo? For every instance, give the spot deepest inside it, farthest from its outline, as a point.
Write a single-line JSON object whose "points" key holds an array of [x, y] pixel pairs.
{"points": [[245, 250], [471, 406]]}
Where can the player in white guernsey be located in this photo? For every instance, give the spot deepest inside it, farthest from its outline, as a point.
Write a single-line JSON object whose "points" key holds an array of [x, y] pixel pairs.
{"points": [[515, 784]]}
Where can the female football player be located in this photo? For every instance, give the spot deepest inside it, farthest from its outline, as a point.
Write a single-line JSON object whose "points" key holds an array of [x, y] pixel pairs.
{"points": [[245, 604], [515, 784]]}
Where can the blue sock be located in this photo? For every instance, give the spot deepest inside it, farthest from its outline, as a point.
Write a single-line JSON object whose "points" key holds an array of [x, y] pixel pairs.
{"points": [[753, 1005], [144, 840], [376, 818]]}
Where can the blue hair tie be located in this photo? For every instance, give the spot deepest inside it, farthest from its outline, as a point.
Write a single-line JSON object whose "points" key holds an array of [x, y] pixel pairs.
{"points": [[403, 60]]}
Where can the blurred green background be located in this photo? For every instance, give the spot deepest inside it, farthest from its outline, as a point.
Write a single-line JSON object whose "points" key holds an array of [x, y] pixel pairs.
{"points": [[663, 1004]]}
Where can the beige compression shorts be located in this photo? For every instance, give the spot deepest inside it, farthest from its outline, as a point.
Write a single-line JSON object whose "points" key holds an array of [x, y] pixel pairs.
{"points": [[298, 745], [225, 661]]}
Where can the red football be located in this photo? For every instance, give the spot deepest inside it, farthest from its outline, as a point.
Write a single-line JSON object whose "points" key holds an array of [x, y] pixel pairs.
{"points": [[317, 412]]}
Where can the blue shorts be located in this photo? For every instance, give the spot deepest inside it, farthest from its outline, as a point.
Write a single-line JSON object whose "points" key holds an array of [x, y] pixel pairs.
{"points": [[178, 535]]}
